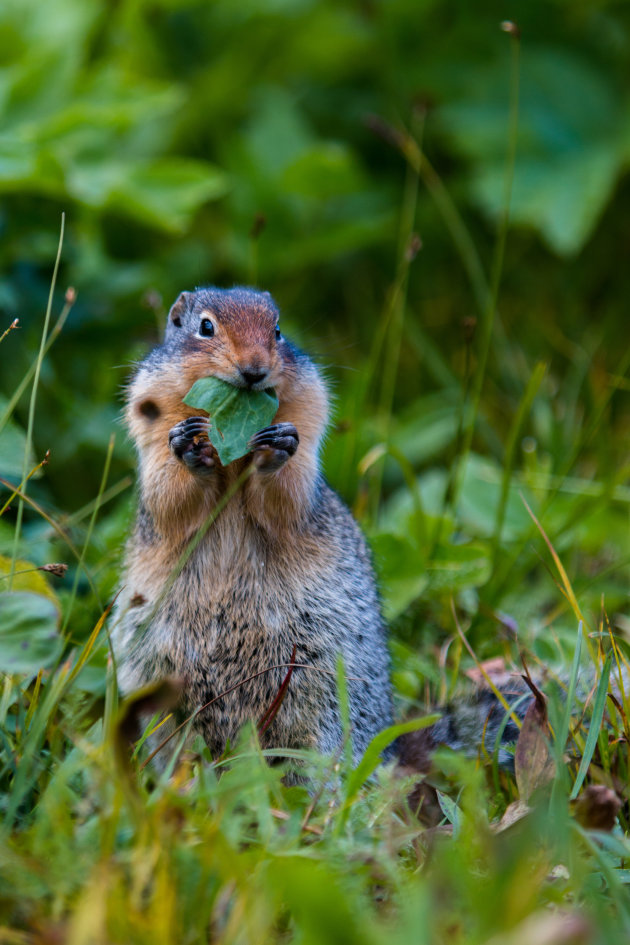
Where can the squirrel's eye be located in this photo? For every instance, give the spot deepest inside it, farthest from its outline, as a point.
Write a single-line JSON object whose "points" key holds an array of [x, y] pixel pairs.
{"points": [[206, 328], [278, 332]]}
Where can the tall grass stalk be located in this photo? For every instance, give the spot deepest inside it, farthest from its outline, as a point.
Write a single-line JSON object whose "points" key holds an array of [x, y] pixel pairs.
{"points": [[510, 449], [52, 337], [487, 321], [19, 490], [453, 220], [88, 535], [599, 704], [553, 485], [32, 404], [386, 344], [77, 517]]}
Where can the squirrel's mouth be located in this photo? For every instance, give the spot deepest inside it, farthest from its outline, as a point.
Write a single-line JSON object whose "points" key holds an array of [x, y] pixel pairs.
{"points": [[256, 379], [248, 379]]}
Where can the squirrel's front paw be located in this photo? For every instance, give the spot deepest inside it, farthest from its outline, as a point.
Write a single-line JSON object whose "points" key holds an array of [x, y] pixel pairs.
{"points": [[274, 445], [188, 441]]}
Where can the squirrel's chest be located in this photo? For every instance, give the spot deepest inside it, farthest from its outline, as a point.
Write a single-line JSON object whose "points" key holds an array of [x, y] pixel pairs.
{"points": [[235, 571], [235, 595]]}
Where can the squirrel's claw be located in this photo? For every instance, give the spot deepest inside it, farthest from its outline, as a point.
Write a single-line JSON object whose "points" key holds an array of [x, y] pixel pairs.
{"points": [[274, 445], [187, 429], [189, 443]]}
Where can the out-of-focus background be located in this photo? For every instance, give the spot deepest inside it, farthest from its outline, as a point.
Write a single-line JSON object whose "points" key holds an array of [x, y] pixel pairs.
{"points": [[354, 159]]}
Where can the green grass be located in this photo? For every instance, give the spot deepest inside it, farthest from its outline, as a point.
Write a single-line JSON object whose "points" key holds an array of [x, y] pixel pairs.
{"points": [[100, 852]]}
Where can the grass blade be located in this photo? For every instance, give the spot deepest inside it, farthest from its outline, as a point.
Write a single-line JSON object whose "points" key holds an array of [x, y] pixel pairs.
{"points": [[599, 705], [563, 733], [88, 536], [523, 410], [54, 334]]}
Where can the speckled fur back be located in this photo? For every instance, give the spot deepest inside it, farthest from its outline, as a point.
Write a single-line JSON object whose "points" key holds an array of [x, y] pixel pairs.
{"points": [[283, 566]]}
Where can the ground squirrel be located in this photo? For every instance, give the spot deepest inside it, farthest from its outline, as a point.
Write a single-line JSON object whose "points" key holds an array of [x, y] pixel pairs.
{"points": [[283, 569]]}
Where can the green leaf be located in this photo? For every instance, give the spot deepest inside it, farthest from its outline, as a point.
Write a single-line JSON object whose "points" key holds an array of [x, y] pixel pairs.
{"points": [[168, 191], [427, 426], [401, 570], [599, 705], [28, 632], [455, 567], [26, 577], [480, 498], [571, 149], [235, 414], [451, 811], [405, 574]]}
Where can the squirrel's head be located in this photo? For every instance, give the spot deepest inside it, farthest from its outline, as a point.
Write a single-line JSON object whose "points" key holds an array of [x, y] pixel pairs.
{"points": [[232, 334]]}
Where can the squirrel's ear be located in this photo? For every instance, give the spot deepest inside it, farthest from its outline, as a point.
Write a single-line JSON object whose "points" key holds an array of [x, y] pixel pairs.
{"points": [[178, 309]]}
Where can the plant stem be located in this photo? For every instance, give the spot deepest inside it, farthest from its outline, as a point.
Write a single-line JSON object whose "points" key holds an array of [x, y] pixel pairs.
{"points": [[31, 410], [487, 321]]}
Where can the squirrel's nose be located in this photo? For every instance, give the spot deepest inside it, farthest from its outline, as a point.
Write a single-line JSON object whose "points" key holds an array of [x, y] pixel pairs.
{"points": [[252, 378]]}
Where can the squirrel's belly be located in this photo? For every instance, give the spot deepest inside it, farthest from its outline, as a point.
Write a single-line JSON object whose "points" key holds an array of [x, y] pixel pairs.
{"points": [[213, 626], [229, 626], [236, 658]]}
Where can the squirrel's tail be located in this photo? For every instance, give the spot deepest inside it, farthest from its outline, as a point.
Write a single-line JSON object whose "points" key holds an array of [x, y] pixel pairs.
{"points": [[479, 722], [475, 723]]}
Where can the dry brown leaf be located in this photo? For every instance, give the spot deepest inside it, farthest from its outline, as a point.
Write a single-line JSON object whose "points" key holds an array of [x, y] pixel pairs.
{"points": [[515, 811], [533, 764], [547, 928]]}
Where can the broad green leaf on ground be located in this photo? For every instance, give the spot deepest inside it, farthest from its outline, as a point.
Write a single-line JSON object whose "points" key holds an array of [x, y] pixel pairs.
{"points": [[92, 135], [166, 192], [455, 567], [427, 426], [401, 571], [478, 501], [399, 508], [28, 632], [26, 577], [480, 496], [235, 414], [405, 574]]}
